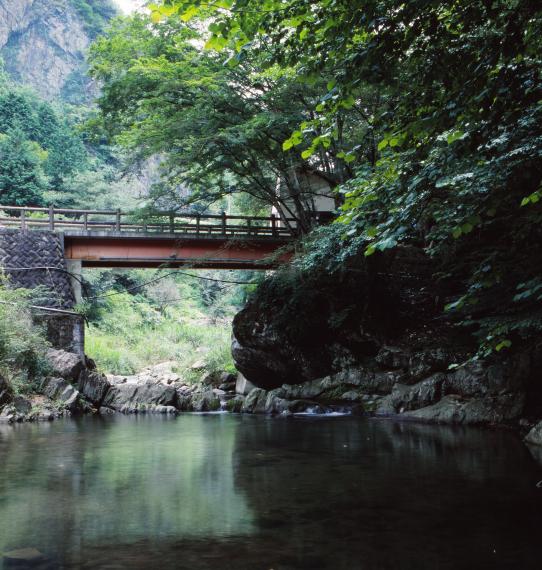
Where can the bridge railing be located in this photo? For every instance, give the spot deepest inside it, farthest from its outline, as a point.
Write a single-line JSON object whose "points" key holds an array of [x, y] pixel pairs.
{"points": [[115, 221]]}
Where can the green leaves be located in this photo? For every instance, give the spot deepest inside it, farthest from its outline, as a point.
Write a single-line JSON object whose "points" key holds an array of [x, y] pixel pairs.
{"points": [[466, 227], [392, 140], [455, 135], [532, 198], [294, 140], [216, 43], [503, 344]]}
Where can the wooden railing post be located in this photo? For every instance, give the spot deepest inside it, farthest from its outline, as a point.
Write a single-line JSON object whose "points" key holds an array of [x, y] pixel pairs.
{"points": [[224, 223], [274, 224], [23, 220], [172, 223], [249, 224], [85, 221], [198, 220], [51, 218], [117, 223]]}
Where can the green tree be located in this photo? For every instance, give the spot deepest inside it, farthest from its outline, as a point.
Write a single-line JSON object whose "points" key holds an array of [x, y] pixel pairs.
{"points": [[457, 167], [220, 128], [22, 181]]}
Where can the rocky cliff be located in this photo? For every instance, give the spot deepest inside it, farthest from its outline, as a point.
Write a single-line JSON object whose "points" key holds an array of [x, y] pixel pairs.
{"points": [[43, 45], [375, 335]]}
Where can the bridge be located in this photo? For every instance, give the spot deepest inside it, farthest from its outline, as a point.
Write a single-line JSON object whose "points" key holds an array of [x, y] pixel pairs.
{"points": [[48, 247], [112, 238]]}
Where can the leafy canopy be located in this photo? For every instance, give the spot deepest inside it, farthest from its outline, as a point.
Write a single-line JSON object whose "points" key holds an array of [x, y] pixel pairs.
{"points": [[441, 103]]}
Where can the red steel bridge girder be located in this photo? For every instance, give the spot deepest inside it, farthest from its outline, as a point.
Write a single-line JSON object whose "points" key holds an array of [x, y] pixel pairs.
{"points": [[154, 251]]}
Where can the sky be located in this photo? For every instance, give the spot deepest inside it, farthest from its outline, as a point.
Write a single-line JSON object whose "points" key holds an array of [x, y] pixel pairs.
{"points": [[128, 6]]}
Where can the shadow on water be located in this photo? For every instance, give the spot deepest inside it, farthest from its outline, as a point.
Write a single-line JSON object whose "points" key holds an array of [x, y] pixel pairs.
{"points": [[222, 491]]}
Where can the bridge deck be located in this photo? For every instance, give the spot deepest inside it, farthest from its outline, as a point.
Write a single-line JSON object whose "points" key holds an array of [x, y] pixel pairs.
{"points": [[116, 239]]}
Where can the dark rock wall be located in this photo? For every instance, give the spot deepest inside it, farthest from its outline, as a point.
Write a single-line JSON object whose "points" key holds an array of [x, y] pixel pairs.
{"points": [[376, 334], [43, 43], [301, 327]]}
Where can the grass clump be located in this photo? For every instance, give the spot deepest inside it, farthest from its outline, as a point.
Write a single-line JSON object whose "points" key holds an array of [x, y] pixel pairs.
{"points": [[170, 320]]}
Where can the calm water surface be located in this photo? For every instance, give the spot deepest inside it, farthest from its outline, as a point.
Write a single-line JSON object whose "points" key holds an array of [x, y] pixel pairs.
{"points": [[224, 491]]}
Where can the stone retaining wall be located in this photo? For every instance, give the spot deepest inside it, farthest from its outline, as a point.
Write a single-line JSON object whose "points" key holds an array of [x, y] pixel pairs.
{"points": [[35, 260]]}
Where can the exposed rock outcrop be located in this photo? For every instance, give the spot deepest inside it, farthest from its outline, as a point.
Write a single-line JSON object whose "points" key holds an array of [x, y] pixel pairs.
{"points": [[374, 335], [61, 390], [43, 43], [535, 435], [5, 392], [93, 386], [132, 398], [68, 365]]}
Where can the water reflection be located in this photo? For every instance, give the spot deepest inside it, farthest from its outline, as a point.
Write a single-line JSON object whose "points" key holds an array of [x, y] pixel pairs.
{"points": [[67, 485], [251, 492]]}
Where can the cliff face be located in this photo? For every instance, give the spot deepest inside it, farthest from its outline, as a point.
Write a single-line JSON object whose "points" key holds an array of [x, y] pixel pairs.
{"points": [[43, 45], [375, 335]]}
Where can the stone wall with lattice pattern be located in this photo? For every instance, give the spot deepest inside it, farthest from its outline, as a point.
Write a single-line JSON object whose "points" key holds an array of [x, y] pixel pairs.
{"points": [[35, 260]]}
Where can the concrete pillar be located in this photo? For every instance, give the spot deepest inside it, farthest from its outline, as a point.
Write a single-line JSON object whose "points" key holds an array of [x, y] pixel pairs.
{"points": [[74, 267]]}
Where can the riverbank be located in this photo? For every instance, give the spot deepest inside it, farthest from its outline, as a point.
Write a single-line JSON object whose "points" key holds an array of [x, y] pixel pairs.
{"points": [[76, 388]]}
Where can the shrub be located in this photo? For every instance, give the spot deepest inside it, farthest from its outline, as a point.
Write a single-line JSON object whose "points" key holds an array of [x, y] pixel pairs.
{"points": [[22, 342]]}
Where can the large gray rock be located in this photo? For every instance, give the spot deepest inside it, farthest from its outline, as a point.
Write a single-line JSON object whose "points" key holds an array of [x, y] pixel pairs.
{"points": [[93, 386], [300, 326], [5, 392], [60, 390], [535, 435], [243, 386], [255, 402], [130, 398], [420, 395], [206, 401], [334, 387], [235, 404], [485, 410], [310, 389], [273, 402], [22, 405], [65, 364]]}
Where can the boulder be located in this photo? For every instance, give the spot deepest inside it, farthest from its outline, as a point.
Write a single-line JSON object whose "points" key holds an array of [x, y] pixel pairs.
{"points": [[61, 390], [93, 386], [301, 326], [65, 364], [420, 395], [206, 401], [211, 378], [9, 415], [5, 392], [131, 398], [227, 378], [535, 435], [22, 405], [243, 386], [393, 357], [184, 401], [235, 404], [423, 363], [255, 401], [310, 389], [457, 410]]}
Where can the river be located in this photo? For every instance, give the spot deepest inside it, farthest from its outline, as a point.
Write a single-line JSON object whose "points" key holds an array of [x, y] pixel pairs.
{"points": [[223, 491]]}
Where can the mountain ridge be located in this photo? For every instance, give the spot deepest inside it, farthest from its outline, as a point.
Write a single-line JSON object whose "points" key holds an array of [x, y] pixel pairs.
{"points": [[43, 44]]}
